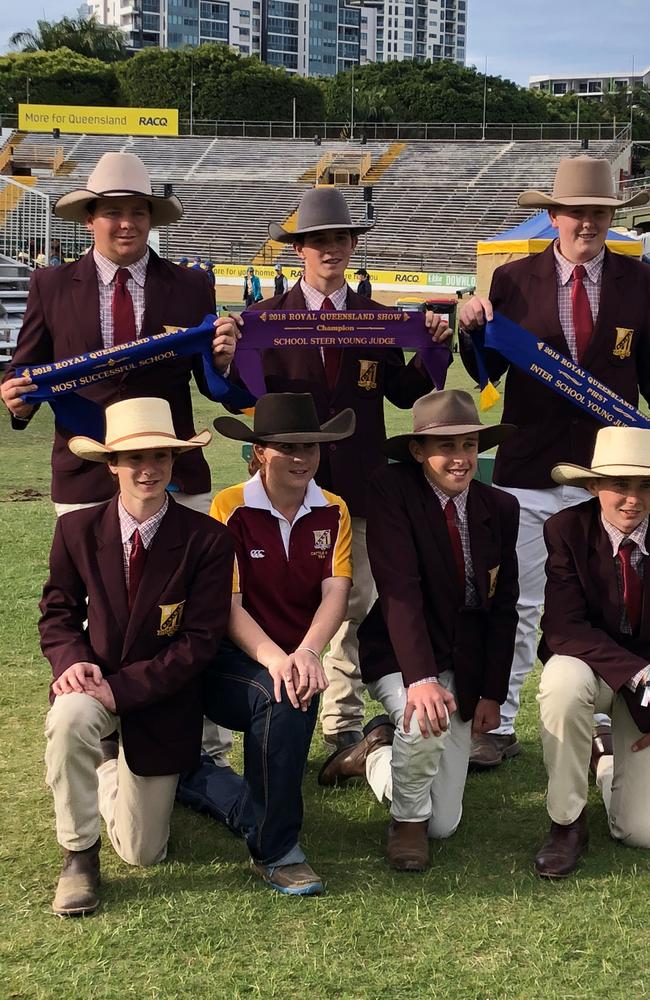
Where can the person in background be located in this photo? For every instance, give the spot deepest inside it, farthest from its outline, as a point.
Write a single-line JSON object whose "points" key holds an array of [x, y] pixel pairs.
{"points": [[364, 287], [280, 282], [252, 287]]}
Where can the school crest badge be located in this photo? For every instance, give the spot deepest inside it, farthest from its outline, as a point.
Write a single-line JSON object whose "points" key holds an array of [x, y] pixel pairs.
{"points": [[323, 539], [492, 585], [367, 374], [623, 346], [171, 616]]}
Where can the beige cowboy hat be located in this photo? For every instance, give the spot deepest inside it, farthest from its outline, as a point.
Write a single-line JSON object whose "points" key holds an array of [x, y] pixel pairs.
{"points": [[118, 175], [581, 180], [619, 451], [135, 424], [443, 414], [287, 418], [320, 208]]}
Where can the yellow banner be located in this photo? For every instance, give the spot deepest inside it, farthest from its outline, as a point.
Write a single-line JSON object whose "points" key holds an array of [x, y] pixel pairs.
{"points": [[406, 279], [98, 121]]}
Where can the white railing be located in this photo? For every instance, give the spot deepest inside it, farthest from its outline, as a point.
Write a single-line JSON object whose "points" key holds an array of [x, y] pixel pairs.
{"points": [[24, 223]]}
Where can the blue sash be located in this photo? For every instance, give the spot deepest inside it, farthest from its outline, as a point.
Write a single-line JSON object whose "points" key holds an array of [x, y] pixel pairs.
{"points": [[58, 382], [555, 370]]}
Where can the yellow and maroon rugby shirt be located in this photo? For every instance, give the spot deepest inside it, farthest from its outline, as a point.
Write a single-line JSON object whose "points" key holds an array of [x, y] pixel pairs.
{"points": [[279, 567]]}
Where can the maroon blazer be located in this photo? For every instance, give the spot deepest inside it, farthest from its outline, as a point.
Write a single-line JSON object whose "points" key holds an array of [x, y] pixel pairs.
{"points": [[346, 466], [420, 625], [62, 320], [152, 657], [582, 605], [551, 429]]}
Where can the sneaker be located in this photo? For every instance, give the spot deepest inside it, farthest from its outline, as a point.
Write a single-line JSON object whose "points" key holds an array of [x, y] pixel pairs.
{"points": [[291, 880]]}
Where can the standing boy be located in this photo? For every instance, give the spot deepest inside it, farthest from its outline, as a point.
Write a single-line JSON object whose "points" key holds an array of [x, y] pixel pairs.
{"points": [[596, 649], [436, 647], [152, 578]]}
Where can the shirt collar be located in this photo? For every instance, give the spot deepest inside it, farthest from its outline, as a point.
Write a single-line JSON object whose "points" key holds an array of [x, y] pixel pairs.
{"points": [[256, 496], [147, 528], [564, 267], [314, 298], [107, 269], [617, 537], [459, 501]]}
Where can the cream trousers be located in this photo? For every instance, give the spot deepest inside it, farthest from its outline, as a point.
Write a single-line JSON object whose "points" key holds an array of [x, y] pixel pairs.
{"points": [[569, 694], [136, 810], [422, 779]]}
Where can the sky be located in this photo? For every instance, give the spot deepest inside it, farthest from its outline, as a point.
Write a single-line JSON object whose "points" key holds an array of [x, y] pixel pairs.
{"points": [[520, 38]]}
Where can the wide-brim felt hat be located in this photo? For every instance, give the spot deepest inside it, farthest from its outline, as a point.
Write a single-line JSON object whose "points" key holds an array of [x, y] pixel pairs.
{"points": [[320, 208], [619, 452], [581, 181], [287, 418], [118, 175], [446, 414], [136, 425]]}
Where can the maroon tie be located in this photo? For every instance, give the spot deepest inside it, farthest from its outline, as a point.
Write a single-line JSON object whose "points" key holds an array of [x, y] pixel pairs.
{"points": [[331, 355], [583, 321], [137, 559], [632, 586], [455, 539], [123, 314]]}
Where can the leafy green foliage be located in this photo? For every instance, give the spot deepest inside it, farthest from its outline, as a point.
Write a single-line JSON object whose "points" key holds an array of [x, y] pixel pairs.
{"points": [[58, 77], [84, 35]]}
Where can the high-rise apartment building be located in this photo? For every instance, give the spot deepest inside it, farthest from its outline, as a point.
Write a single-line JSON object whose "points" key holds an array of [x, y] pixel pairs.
{"points": [[309, 37]]}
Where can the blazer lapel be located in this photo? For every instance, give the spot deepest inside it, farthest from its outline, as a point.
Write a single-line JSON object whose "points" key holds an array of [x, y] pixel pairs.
{"points": [[85, 332], [162, 560], [110, 559], [644, 630], [434, 516], [602, 567], [481, 542], [156, 298], [610, 296], [544, 295]]}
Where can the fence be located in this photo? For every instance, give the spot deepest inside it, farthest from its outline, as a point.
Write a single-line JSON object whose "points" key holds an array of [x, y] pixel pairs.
{"points": [[24, 223]]}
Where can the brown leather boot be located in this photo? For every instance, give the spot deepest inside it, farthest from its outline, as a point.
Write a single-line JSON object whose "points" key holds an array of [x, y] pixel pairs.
{"points": [[350, 762], [559, 854], [407, 848], [76, 892]]}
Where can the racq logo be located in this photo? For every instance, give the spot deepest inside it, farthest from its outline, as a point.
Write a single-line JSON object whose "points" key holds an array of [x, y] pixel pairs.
{"points": [[406, 278], [151, 121]]}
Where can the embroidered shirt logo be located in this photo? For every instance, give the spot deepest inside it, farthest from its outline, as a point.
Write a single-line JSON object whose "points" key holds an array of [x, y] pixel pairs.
{"points": [[171, 616], [257, 553], [623, 345], [367, 374], [323, 539]]}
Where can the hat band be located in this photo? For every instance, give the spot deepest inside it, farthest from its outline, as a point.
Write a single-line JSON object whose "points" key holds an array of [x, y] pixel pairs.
{"points": [[121, 191], [438, 423], [142, 434]]}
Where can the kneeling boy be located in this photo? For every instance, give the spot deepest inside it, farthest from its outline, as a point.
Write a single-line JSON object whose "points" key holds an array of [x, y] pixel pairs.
{"points": [[436, 647], [152, 579], [596, 649]]}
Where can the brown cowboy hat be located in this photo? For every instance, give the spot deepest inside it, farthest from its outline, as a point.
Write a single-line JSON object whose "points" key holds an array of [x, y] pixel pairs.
{"points": [[118, 175], [288, 418], [444, 414], [319, 208], [581, 180]]}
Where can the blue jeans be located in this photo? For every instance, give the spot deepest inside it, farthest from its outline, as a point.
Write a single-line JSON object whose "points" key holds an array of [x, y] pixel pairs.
{"points": [[265, 805]]}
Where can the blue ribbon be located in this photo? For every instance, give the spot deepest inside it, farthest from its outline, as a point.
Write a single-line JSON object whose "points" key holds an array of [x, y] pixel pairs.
{"points": [[59, 382], [555, 370]]}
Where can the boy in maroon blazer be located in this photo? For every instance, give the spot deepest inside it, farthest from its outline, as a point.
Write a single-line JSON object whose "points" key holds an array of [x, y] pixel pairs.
{"points": [[436, 647], [152, 578], [596, 649]]}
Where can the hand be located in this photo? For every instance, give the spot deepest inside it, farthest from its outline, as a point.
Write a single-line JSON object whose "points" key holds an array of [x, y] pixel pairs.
{"points": [[433, 705], [226, 335], [81, 678], [104, 695], [281, 670], [475, 312], [309, 675], [487, 716], [438, 326], [12, 390], [642, 743]]}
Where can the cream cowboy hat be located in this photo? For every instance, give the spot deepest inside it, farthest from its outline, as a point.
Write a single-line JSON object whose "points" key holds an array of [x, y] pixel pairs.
{"points": [[581, 180], [118, 175], [134, 425], [444, 414], [319, 208], [619, 451]]}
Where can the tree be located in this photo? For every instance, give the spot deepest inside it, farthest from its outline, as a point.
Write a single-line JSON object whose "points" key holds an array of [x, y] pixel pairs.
{"points": [[84, 35], [60, 77]]}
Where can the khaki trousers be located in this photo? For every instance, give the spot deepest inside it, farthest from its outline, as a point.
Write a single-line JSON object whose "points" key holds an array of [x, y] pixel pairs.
{"points": [[342, 704], [136, 810], [569, 694], [216, 740], [422, 779]]}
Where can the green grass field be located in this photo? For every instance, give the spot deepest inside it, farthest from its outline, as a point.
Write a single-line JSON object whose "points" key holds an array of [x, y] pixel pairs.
{"points": [[477, 926]]}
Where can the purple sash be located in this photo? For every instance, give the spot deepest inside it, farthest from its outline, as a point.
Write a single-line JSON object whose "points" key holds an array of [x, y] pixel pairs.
{"points": [[341, 328]]}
